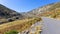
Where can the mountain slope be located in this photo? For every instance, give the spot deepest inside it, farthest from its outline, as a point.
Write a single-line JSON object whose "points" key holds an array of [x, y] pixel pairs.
{"points": [[8, 13], [52, 10]]}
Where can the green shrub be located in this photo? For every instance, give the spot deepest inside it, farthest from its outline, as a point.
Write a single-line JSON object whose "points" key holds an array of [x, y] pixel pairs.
{"points": [[12, 32]]}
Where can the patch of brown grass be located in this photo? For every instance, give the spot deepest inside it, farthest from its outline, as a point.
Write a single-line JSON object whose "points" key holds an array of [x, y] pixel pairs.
{"points": [[18, 25]]}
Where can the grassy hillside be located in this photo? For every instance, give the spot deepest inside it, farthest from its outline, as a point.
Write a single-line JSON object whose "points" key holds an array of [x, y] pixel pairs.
{"points": [[18, 25], [53, 14]]}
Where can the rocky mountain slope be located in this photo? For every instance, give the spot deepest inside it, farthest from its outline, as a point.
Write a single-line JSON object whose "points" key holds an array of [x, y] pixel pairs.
{"points": [[8, 13], [50, 10]]}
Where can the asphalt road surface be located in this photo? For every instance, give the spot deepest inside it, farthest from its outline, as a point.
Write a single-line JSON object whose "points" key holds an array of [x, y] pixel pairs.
{"points": [[50, 26]]}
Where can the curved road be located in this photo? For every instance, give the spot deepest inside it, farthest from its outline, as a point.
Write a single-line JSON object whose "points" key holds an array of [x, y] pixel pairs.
{"points": [[50, 26]]}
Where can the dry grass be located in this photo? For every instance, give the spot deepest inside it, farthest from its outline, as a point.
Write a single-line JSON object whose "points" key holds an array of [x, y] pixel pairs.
{"points": [[18, 25], [52, 14]]}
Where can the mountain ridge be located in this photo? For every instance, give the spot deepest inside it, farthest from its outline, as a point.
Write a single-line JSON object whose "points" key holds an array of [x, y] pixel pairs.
{"points": [[7, 13], [44, 10]]}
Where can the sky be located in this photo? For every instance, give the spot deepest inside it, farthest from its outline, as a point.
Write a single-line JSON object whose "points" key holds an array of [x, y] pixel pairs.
{"points": [[25, 5]]}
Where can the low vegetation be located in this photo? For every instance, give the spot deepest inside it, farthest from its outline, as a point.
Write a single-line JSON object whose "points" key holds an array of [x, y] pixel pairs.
{"points": [[12, 32], [19, 25], [52, 14]]}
